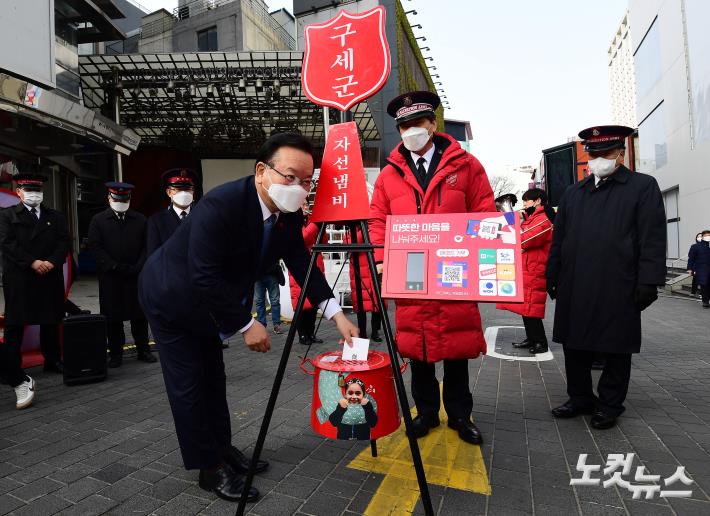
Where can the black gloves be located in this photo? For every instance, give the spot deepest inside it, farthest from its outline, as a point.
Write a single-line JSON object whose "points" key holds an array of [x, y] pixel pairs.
{"points": [[644, 296], [552, 288]]}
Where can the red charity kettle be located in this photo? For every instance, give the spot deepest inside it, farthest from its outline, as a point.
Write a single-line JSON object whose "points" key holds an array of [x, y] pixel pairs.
{"points": [[369, 392]]}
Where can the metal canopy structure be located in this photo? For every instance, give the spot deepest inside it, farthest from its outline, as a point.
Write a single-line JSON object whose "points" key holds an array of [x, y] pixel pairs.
{"points": [[214, 102]]}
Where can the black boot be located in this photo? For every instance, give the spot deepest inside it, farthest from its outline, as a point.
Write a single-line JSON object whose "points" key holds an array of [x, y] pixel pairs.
{"points": [[376, 337]]}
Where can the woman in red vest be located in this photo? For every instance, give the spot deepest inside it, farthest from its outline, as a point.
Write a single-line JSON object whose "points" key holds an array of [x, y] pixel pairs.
{"points": [[536, 237]]}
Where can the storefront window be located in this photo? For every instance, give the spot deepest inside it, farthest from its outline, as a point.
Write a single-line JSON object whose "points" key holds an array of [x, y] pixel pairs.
{"points": [[697, 13], [653, 148], [647, 61]]}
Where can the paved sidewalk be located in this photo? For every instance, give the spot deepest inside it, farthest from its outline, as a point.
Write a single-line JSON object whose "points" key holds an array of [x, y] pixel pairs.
{"points": [[111, 448]]}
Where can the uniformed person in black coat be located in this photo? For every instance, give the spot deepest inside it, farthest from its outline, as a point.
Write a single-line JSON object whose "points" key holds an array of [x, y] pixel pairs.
{"points": [[180, 187], [605, 263], [34, 240], [117, 238]]}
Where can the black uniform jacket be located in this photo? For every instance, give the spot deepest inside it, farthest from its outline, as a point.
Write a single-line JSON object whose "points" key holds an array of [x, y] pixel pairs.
{"points": [[605, 241], [161, 226], [119, 249], [202, 279], [31, 298]]}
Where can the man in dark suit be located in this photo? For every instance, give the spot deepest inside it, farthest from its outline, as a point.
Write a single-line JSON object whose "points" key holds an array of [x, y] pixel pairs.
{"points": [[197, 290], [117, 239], [34, 240], [180, 188]]}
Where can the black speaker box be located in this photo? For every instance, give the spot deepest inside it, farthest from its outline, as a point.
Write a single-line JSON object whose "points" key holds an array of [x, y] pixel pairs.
{"points": [[84, 349]]}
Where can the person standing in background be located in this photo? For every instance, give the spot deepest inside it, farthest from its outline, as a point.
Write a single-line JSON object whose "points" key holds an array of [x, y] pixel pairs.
{"points": [[535, 236], [269, 282], [35, 241], [699, 266], [117, 238], [694, 286], [180, 188]]}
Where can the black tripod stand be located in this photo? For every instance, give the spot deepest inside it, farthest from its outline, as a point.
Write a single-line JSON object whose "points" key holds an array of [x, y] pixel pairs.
{"points": [[356, 248]]}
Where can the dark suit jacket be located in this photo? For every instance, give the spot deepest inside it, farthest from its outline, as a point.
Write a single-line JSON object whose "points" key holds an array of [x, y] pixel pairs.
{"points": [[29, 297], [202, 279], [161, 226]]}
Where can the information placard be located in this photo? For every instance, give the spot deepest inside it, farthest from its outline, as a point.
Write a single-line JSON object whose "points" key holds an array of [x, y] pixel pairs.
{"points": [[453, 256]]}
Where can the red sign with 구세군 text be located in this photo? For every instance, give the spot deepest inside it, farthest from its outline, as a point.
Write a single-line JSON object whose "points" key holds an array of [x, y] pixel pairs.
{"points": [[342, 189], [346, 59]]}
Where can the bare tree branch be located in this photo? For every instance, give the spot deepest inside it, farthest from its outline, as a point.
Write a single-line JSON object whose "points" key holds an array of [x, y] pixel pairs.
{"points": [[502, 185]]}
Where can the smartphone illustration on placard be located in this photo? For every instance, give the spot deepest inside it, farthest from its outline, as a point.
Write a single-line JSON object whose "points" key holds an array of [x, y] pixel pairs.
{"points": [[415, 271]]}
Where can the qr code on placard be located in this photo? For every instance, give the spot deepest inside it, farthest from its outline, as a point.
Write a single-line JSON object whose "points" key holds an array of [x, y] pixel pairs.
{"points": [[488, 230], [452, 274]]}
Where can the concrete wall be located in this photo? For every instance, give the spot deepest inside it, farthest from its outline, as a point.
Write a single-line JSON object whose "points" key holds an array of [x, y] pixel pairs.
{"points": [[687, 158], [219, 171], [227, 19], [156, 33]]}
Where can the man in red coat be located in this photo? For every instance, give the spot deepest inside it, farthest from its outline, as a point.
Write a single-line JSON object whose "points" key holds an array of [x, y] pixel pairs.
{"points": [[429, 172], [536, 236]]}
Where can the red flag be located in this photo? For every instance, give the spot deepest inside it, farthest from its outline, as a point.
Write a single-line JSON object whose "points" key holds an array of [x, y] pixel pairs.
{"points": [[342, 189]]}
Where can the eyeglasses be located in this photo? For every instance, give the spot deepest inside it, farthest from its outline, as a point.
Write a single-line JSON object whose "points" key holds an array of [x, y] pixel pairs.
{"points": [[291, 179]]}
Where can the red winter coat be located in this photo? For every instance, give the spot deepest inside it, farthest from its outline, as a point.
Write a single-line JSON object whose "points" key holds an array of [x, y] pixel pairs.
{"points": [[310, 233], [536, 237], [366, 278], [433, 330]]}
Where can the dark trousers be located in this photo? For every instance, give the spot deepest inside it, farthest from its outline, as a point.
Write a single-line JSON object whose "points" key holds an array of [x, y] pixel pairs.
{"points": [[307, 323], [376, 322], [534, 329], [48, 342], [11, 355], [705, 293], [695, 286], [193, 370], [613, 382], [458, 401], [117, 338]]}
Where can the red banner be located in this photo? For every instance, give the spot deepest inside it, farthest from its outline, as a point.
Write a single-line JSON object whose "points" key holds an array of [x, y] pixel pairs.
{"points": [[342, 188], [346, 59]]}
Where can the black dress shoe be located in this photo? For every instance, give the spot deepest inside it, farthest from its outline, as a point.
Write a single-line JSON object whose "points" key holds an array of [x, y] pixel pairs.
{"points": [[114, 362], [602, 421], [376, 337], [468, 432], [539, 347], [569, 410], [316, 340], [306, 341], [240, 462], [226, 483], [54, 367], [421, 425], [523, 343], [147, 356]]}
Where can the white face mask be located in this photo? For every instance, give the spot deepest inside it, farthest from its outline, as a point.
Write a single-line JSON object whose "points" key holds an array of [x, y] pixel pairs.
{"points": [[706, 239], [33, 199], [287, 198], [415, 138], [119, 207], [602, 167], [182, 199]]}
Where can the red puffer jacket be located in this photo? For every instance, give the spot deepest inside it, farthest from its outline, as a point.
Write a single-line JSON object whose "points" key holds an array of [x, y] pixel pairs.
{"points": [[367, 289], [310, 233], [433, 330], [536, 237]]}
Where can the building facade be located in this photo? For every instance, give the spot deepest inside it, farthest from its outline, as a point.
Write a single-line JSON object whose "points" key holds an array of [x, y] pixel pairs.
{"points": [[622, 86], [672, 69]]}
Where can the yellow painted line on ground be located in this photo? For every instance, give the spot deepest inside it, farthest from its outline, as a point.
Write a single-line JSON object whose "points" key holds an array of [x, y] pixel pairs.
{"points": [[448, 461]]}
